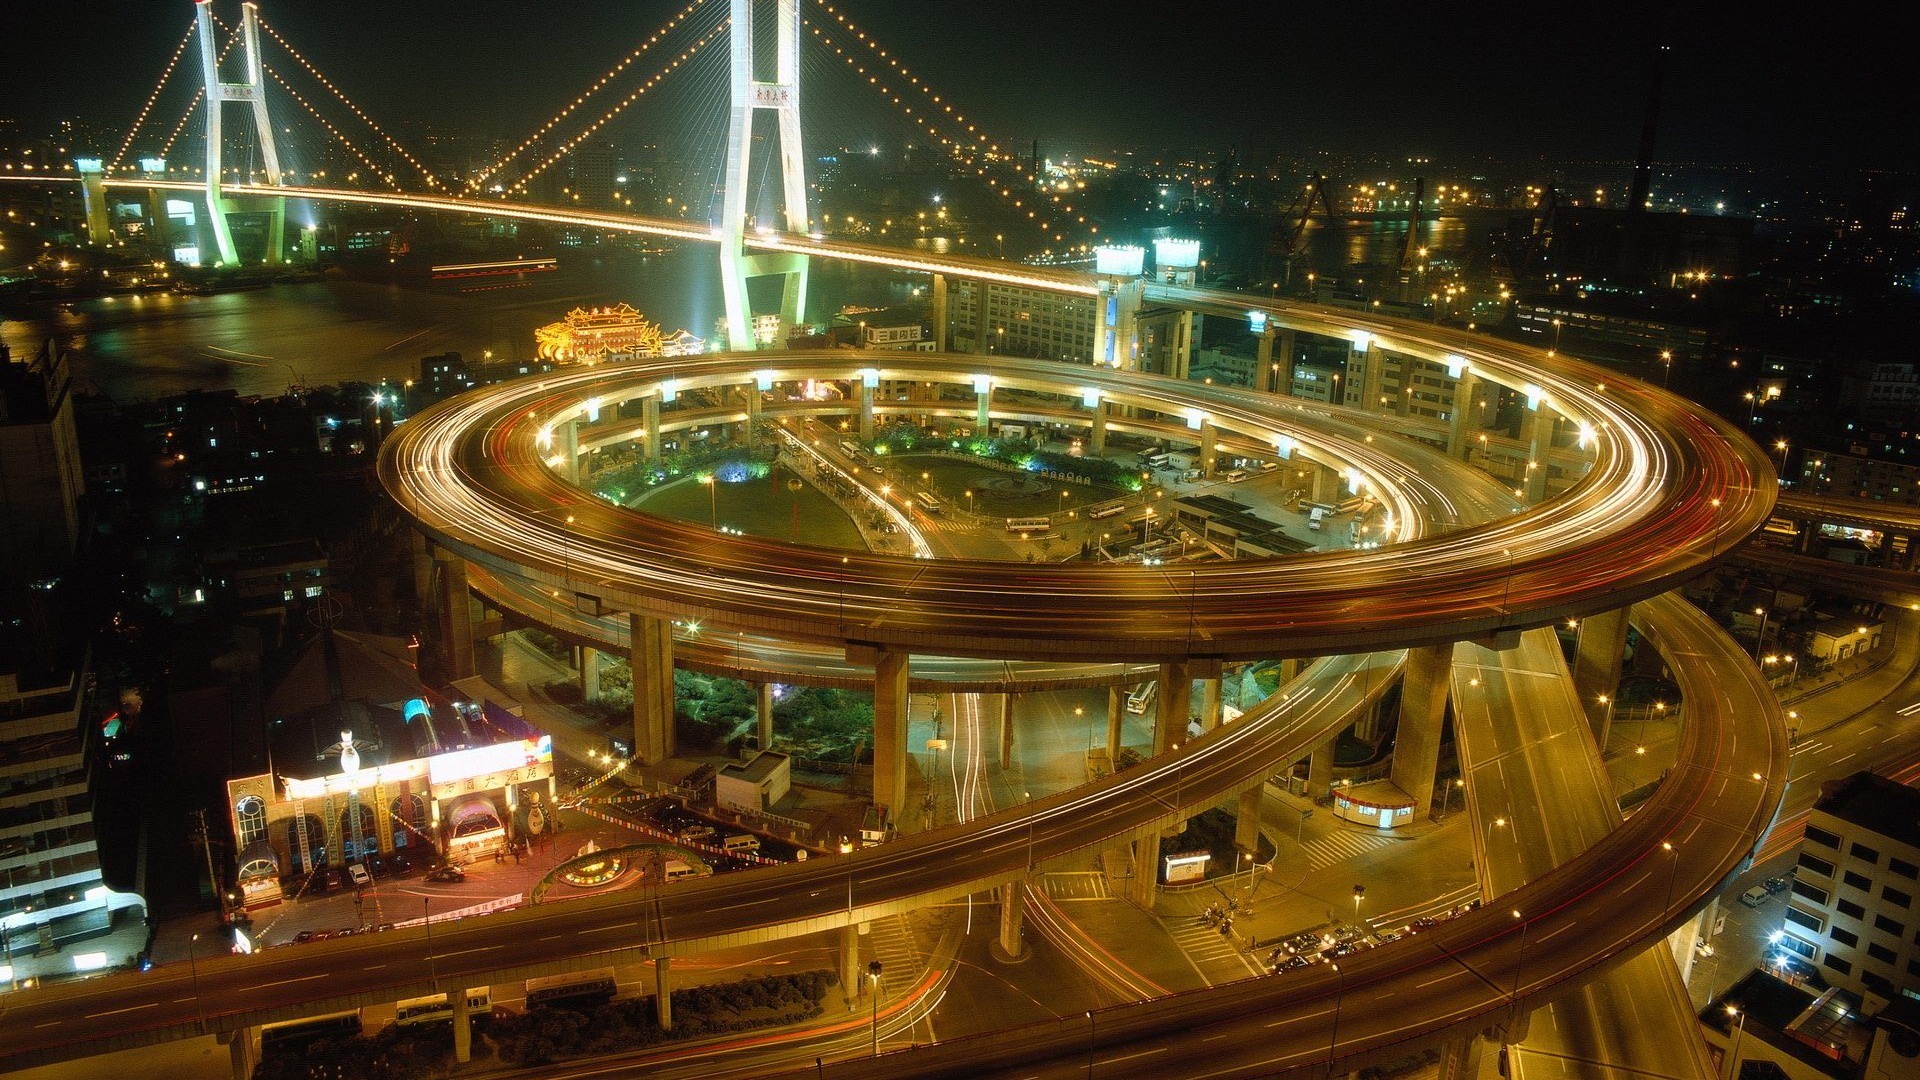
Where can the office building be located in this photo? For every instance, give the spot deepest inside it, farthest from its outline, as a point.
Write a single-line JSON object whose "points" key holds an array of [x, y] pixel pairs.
{"points": [[1852, 911]]}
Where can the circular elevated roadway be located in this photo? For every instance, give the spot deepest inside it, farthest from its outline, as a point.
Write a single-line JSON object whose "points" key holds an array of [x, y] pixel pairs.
{"points": [[1670, 488]]}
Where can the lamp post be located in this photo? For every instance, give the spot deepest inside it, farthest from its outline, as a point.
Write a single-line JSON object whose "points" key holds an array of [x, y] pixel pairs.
{"points": [[713, 501], [193, 975], [1740, 1029], [874, 969], [1446, 803], [1333, 1039], [433, 964], [1666, 376], [1673, 872], [1519, 958], [1760, 638]]}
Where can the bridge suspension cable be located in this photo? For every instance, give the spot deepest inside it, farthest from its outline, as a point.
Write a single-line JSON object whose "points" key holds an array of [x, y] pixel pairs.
{"points": [[158, 88], [432, 181], [383, 174], [200, 93], [598, 84], [567, 147], [982, 146]]}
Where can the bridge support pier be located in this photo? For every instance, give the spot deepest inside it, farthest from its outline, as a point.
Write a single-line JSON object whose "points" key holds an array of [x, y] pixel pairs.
{"points": [[456, 617], [422, 569], [940, 315], [663, 992], [982, 406], [1460, 1059], [1210, 696], [650, 412], [589, 673], [1320, 769], [890, 670], [1423, 713], [1326, 484], [1598, 653], [1146, 868], [1171, 705], [1116, 721], [651, 657], [1460, 420], [1098, 434], [763, 712], [1373, 364], [93, 195], [240, 1052], [850, 963], [1246, 825], [1266, 372], [866, 409], [1539, 435], [462, 1026], [1006, 731], [1209, 455], [1009, 947]]}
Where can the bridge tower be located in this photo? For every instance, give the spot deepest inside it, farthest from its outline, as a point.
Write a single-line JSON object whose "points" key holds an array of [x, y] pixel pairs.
{"points": [[781, 96], [253, 92]]}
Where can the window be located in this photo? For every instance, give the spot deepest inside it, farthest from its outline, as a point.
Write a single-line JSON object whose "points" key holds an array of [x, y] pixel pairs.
{"points": [[1913, 967], [1858, 881], [1865, 854], [1818, 866], [1801, 888], [1797, 947], [1851, 910], [1895, 897], [1823, 837], [1880, 953], [1886, 925], [1904, 868], [1837, 964], [251, 815], [1844, 937], [1801, 918]]}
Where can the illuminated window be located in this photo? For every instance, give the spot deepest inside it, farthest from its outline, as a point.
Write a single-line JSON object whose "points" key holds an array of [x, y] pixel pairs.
{"points": [[251, 816]]}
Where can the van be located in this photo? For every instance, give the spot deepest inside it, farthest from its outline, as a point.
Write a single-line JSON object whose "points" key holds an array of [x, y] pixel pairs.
{"points": [[741, 842], [357, 873], [1234, 476], [1755, 896], [677, 869], [1315, 517]]}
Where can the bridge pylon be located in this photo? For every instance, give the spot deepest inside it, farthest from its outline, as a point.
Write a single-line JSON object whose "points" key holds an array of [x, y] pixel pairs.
{"points": [[253, 92], [781, 96]]}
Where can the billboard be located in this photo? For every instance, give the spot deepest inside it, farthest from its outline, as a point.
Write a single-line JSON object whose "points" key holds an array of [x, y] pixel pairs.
{"points": [[482, 760]]}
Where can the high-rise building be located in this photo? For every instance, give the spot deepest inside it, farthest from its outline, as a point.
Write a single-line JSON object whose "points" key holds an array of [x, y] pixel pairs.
{"points": [[52, 895], [41, 477], [1852, 912]]}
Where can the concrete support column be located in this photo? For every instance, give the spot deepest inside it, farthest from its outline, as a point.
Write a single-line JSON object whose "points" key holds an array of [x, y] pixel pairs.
{"points": [[1013, 905], [1326, 485], [570, 449], [1116, 719], [850, 964], [663, 992], [456, 617], [422, 568], [982, 299], [1320, 769], [1423, 713], [1290, 669], [651, 657], [1372, 377], [763, 695], [650, 412], [890, 731], [462, 1026], [1597, 658], [866, 412], [1460, 424], [1146, 867], [982, 410], [939, 313], [240, 1053], [589, 673], [1460, 1059], [1006, 731], [1246, 827], [1267, 373], [1210, 702], [754, 401], [1539, 436], [1099, 433], [1171, 704], [1208, 455]]}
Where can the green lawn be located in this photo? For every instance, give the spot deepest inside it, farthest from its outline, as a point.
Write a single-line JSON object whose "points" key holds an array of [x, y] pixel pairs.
{"points": [[762, 508], [951, 478]]}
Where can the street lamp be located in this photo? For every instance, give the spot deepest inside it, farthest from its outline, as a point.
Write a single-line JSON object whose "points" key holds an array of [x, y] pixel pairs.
{"points": [[1740, 1029], [969, 501], [1666, 376], [713, 500], [1446, 802], [1760, 638], [193, 974], [874, 967], [1518, 959], [433, 963], [1339, 991]]}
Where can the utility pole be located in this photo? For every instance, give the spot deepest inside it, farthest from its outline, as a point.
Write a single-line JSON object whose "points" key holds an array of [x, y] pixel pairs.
{"points": [[206, 847]]}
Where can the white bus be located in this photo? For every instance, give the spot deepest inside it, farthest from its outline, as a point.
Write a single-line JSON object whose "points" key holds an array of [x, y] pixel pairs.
{"points": [[1029, 524], [1107, 509], [928, 502], [428, 1010]]}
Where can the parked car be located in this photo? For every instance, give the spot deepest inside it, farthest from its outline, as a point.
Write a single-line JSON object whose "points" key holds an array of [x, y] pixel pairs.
{"points": [[1755, 896], [447, 873], [357, 873]]}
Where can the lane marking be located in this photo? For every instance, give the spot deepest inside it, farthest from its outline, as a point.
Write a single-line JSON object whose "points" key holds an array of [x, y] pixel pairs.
{"points": [[128, 1009]]}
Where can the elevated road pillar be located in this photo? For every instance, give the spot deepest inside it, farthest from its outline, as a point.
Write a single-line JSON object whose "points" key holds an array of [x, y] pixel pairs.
{"points": [[1116, 722], [763, 712], [982, 406], [456, 617], [1326, 485], [240, 1052], [889, 727], [1598, 653], [1539, 435], [1009, 946], [1320, 769], [1146, 868], [1209, 455], [1373, 365], [754, 402], [1266, 371], [422, 569], [93, 195], [651, 658], [1099, 428], [589, 673], [1460, 1059], [850, 963], [650, 412], [1423, 713], [866, 409], [1006, 731], [940, 313], [1246, 825], [570, 447], [1171, 705], [663, 992], [1460, 433], [462, 1026], [1210, 701]]}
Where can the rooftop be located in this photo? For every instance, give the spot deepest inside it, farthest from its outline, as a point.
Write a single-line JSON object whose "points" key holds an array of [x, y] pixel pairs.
{"points": [[1887, 807], [762, 766]]}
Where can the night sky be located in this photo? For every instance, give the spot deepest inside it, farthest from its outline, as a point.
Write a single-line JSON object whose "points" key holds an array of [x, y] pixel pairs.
{"points": [[1813, 84]]}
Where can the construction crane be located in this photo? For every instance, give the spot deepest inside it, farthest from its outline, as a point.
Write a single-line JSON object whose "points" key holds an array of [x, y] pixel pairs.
{"points": [[1289, 229]]}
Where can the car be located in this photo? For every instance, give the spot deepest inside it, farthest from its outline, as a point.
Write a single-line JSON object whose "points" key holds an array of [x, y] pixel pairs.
{"points": [[447, 873], [1779, 884], [1755, 896], [304, 936], [357, 873]]}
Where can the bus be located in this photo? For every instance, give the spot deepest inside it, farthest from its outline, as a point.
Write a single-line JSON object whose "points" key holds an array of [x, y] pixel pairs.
{"points": [[1029, 525], [928, 502], [582, 991], [852, 450], [295, 1036], [434, 1009], [1107, 509]]}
